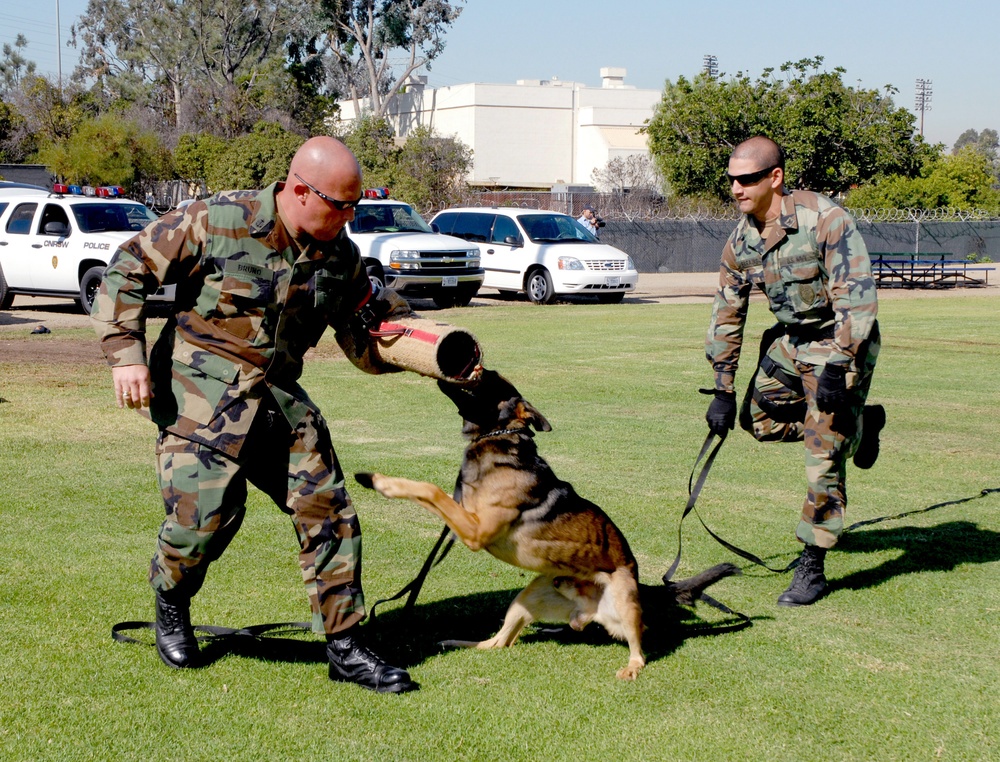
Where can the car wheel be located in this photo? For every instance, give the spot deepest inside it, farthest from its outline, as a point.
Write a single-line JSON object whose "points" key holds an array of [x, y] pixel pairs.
{"points": [[89, 284], [6, 297], [539, 286], [611, 298], [377, 276]]}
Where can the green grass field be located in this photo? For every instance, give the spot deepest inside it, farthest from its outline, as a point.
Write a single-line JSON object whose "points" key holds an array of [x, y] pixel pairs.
{"points": [[898, 662]]}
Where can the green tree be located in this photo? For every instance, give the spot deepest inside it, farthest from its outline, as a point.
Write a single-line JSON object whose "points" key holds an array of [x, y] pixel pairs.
{"points": [[372, 141], [14, 67], [207, 62], [834, 136], [253, 160], [962, 181], [430, 170], [108, 150], [367, 39]]}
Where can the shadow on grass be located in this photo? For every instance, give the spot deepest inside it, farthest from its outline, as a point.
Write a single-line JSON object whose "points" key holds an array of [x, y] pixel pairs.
{"points": [[408, 638], [937, 548]]}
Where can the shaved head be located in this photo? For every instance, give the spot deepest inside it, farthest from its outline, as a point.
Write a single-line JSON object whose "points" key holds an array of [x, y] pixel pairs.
{"points": [[762, 151], [323, 176]]}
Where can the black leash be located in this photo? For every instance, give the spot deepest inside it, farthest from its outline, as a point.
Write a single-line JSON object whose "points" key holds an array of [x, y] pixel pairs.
{"points": [[695, 487], [205, 633], [413, 587]]}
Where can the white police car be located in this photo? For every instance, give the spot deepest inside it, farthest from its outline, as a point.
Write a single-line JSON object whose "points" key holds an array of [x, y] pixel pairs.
{"points": [[58, 243], [403, 252], [544, 254]]}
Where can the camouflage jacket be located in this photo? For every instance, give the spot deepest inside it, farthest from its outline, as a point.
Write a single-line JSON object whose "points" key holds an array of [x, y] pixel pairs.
{"points": [[814, 269], [249, 304]]}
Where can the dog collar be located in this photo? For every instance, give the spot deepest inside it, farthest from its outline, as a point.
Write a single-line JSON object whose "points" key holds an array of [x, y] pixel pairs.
{"points": [[505, 432]]}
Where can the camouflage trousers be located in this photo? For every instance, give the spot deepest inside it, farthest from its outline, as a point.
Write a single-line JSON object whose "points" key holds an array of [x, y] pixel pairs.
{"points": [[780, 406], [205, 492]]}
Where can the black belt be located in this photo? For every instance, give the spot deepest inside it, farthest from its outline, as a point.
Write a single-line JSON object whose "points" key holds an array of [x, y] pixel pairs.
{"points": [[809, 332]]}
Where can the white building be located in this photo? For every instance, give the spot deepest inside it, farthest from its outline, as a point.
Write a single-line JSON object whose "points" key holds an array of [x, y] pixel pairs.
{"points": [[533, 134]]}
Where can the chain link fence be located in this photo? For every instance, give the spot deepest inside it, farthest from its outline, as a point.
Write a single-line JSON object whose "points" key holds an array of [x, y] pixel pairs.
{"points": [[662, 238]]}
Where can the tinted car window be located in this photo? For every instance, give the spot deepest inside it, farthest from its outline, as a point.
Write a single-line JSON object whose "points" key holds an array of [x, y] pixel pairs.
{"points": [[473, 226], [2, 207], [53, 213], [20, 219], [549, 228], [387, 218], [504, 227], [446, 222]]}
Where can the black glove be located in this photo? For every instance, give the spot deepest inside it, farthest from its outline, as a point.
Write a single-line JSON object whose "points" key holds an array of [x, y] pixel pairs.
{"points": [[831, 394], [721, 415]]}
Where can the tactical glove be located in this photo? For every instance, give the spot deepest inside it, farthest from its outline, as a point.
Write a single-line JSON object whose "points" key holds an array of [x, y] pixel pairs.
{"points": [[831, 394], [721, 415]]}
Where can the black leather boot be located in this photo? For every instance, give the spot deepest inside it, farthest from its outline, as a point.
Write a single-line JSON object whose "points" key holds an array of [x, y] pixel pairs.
{"points": [[872, 423], [175, 639], [353, 662], [808, 582]]}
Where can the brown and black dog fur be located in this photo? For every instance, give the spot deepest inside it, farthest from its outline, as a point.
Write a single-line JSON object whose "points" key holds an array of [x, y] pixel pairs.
{"points": [[514, 507]]}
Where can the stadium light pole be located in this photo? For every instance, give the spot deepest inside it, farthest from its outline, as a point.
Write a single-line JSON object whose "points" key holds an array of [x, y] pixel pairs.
{"points": [[925, 92]]}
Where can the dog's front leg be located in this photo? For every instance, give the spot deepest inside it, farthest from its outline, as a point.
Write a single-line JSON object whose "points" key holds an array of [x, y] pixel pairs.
{"points": [[474, 532]]}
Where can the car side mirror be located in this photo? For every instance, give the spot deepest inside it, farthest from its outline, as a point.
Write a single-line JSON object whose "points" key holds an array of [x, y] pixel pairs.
{"points": [[60, 229], [513, 240], [435, 228]]}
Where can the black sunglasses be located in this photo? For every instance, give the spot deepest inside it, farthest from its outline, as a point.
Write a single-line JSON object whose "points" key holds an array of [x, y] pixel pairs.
{"points": [[337, 204], [750, 178]]}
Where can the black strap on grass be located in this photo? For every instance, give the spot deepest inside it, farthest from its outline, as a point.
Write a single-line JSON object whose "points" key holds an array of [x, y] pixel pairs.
{"points": [[211, 633], [413, 587]]}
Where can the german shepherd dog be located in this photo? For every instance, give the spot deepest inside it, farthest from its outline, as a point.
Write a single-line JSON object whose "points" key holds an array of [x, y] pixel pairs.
{"points": [[511, 504]]}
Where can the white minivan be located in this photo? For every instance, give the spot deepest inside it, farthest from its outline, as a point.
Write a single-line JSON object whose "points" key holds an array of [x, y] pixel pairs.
{"points": [[544, 254]]}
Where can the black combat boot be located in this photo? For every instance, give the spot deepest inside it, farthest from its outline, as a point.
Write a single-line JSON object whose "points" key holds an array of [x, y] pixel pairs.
{"points": [[353, 662], [175, 639], [872, 423], [808, 582]]}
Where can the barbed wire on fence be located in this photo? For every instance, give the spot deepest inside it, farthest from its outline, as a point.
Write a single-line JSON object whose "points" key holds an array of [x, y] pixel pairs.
{"points": [[647, 207]]}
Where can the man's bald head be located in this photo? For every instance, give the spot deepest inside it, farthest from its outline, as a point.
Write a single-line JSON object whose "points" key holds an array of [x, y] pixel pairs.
{"points": [[322, 156], [762, 151], [322, 175]]}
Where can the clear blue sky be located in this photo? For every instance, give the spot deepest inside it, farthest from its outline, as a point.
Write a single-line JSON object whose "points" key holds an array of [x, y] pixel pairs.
{"points": [[878, 42]]}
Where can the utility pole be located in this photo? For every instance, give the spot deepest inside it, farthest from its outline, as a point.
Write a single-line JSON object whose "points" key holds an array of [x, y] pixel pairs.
{"points": [[58, 48], [923, 99], [710, 65]]}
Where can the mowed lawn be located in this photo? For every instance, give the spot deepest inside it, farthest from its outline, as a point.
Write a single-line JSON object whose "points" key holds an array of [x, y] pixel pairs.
{"points": [[898, 662]]}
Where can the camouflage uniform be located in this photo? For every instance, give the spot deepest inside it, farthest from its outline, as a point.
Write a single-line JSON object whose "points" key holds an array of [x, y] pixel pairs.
{"points": [[814, 269], [250, 302]]}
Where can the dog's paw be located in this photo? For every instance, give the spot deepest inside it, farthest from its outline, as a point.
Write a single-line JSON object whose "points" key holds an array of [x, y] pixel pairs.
{"points": [[365, 479], [630, 671]]}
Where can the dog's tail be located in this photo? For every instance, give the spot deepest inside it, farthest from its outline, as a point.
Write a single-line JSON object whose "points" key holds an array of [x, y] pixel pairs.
{"points": [[687, 591]]}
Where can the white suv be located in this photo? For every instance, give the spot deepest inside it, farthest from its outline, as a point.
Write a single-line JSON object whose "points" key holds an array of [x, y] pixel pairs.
{"points": [[544, 254], [53, 244], [403, 252]]}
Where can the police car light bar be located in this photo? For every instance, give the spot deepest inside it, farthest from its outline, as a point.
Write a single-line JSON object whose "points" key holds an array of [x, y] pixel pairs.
{"points": [[376, 193]]}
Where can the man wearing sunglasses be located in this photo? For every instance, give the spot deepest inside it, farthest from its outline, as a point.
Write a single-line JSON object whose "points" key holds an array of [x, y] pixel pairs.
{"points": [[259, 276], [815, 365]]}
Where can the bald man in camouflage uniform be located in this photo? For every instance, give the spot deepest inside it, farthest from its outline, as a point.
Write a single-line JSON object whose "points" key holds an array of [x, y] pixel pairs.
{"points": [[815, 369], [259, 277]]}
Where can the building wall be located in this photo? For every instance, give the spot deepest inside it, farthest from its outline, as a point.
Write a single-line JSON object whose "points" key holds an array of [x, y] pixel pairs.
{"points": [[533, 134]]}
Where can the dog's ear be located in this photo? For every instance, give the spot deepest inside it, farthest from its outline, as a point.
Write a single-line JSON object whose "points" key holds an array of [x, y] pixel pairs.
{"points": [[522, 410]]}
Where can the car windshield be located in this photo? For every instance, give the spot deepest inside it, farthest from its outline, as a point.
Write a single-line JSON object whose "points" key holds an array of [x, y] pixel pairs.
{"points": [[102, 218], [554, 228], [387, 218]]}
